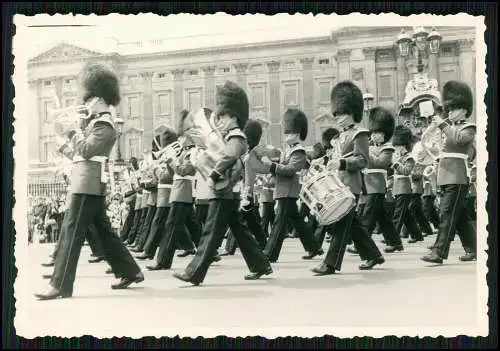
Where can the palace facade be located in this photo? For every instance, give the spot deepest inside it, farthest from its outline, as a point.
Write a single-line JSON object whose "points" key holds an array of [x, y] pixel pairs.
{"points": [[277, 75]]}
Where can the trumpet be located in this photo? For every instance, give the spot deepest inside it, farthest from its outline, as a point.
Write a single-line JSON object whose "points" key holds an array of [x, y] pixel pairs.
{"points": [[170, 151]]}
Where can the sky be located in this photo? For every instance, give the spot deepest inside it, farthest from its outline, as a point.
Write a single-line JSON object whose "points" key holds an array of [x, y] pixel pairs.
{"points": [[182, 31]]}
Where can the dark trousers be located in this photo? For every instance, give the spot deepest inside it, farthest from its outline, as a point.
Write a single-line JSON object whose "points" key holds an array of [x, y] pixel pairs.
{"points": [[139, 217], [201, 213], [320, 233], [180, 218], [470, 205], [452, 209], [374, 212], [416, 208], [221, 214], [402, 215], [158, 230], [146, 227], [93, 239], [252, 220], [129, 221], [83, 211], [349, 227], [288, 213], [268, 216], [305, 212], [430, 210]]}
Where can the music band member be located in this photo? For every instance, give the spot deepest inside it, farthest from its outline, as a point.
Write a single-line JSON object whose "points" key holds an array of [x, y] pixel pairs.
{"points": [[453, 173], [266, 198], [165, 176], [229, 117], [130, 196], [92, 145], [287, 189], [181, 216], [381, 125], [353, 156]]}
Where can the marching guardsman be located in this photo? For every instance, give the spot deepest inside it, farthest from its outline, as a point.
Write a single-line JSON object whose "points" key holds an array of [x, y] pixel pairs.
{"points": [[165, 175], [91, 146], [287, 189], [403, 141], [181, 216], [453, 176], [352, 155], [266, 198], [229, 117], [249, 213], [429, 197], [143, 206], [381, 125], [130, 197]]}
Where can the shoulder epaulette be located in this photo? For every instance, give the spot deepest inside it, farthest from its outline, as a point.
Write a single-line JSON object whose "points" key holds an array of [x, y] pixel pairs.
{"points": [[235, 133]]}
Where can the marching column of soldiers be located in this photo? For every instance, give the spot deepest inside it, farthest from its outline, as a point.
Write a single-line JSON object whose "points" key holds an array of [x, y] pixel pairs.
{"points": [[255, 198]]}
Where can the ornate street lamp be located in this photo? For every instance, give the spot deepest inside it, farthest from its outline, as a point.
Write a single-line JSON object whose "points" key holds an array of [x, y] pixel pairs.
{"points": [[418, 44], [119, 128]]}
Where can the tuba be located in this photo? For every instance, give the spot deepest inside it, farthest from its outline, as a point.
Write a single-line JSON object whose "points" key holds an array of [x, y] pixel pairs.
{"points": [[210, 145]]}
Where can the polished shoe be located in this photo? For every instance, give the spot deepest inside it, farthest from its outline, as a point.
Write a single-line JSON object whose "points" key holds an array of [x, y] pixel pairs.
{"points": [[185, 278], [52, 294], [257, 275], [135, 249], [432, 258], [469, 256], [96, 260], [431, 247], [144, 256], [311, 255], [369, 264], [126, 282], [225, 253], [156, 267], [216, 258], [323, 269], [391, 249], [109, 271], [383, 241], [93, 255], [49, 264], [352, 250], [46, 276], [413, 241], [186, 253]]}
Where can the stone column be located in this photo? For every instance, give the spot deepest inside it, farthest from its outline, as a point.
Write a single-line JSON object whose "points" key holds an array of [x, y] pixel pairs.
{"points": [[466, 67], [178, 94], [402, 78], [308, 91], [434, 66], [148, 116], [274, 103], [370, 72], [58, 88], [241, 78], [209, 86], [343, 65]]}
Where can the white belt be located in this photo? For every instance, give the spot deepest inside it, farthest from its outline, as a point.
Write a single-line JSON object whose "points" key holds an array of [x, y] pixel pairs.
{"points": [[400, 176], [145, 192], [374, 170], [178, 177], [100, 159], [267, 188], [164, 186], [457, 155]]}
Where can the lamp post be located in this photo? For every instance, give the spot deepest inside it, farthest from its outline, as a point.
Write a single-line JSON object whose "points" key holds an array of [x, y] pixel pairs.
{"points": [[119, 127], [420, 43]]}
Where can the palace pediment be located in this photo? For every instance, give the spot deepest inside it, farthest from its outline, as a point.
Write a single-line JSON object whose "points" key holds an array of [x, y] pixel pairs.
{"points": [[62, 52]]}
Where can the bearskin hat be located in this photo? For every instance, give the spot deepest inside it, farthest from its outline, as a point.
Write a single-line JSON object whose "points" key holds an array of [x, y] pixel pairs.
{"points": [[167, 137], [99, 81], [295, 122], [180, 123], [253, 132], [328, 135], [318, 151], [381, 120], [232, 100], [458, 95], [402, 136], [346, 98]]}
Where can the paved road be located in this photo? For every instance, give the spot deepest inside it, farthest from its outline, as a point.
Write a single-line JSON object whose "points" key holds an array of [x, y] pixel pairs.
{"points": [[405, 295]]}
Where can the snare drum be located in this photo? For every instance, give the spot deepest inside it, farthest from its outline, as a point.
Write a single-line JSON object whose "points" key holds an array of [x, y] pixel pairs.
{"points": [[327, 197]]}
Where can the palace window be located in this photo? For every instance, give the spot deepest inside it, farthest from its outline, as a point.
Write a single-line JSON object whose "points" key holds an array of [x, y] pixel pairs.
{"points": [[256, 68], [224, 70], [324, 61], [289, 65], [69, 102], [134, 147], [385, 86], [164, 107], [291, 95], [258, 96], [193, 100], [47, 106], [133, 106], [161, 75], [193, 72], [47, 83], [324, 92]]}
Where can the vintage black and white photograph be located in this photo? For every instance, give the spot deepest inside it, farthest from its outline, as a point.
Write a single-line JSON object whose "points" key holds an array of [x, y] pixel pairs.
{"points": [[205, 175]]}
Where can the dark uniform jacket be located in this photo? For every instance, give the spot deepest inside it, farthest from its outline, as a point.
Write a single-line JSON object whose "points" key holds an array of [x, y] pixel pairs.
{"points": [[287, 172], [375, 174]]}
